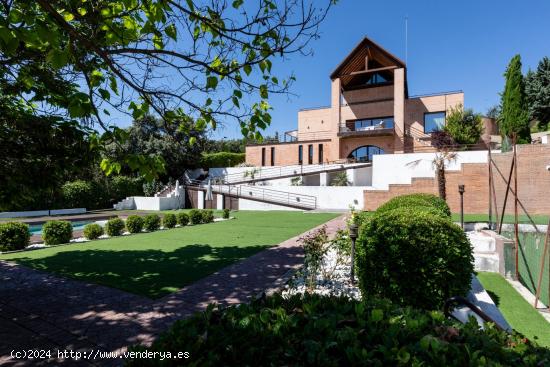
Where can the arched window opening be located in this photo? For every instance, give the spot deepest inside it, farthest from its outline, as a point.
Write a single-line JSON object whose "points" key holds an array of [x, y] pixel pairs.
{"points": [[365, 153]]}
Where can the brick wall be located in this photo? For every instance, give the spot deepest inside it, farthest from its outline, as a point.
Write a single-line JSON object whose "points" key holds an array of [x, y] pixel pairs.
{"points": [[287, 153], [533, 184]]}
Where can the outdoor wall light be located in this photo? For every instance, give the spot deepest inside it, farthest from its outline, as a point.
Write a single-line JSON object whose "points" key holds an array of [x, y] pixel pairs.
{"points": [[353, 236]]}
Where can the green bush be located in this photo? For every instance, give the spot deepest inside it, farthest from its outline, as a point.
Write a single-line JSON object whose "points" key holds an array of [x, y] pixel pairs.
{"points": [[183, 219], [151, 222], [56, 232], [414, 258], [134, 224], [195, 216], [122, 187], [169, 220], [114, 227], [226, 213], [221, 159], [92, 231], [331, 331], [415, 201], [78, 194], [207, 216], [14, 236]]}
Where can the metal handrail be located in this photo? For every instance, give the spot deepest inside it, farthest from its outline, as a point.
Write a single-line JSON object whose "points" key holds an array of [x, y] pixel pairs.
{"points": [[259, 193], [458, 300]]}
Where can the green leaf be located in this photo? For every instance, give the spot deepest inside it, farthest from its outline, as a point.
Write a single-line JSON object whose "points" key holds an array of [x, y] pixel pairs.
{"points": [[236, 102], [263, 91], [237, 4], [211, 82], [377, 315], [104, 94], [192, 140], [247, 69], [68, 17], [57, 58], [157, 42], [171, 32], [237, 93]]}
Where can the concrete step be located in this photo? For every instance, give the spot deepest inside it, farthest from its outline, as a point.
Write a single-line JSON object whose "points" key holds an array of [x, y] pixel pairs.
{"points": [[486, 262], [482, 243]]}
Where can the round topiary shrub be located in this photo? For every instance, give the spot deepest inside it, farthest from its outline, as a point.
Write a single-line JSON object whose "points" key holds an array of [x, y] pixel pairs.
{"points": [[134, 224], [114, 227], [92, 231], [169, 220], [226, 213], [183, 219], [207, 216], [78, 194], [413, 257], [195, 216], [56, 232], [151, 222], [14, 236], [416, 200], [312, 330]]}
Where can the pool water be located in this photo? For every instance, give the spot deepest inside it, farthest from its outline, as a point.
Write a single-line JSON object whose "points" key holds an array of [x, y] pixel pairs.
{"points": [[37, 228]]}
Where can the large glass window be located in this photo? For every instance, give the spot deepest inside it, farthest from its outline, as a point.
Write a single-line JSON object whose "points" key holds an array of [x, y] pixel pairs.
{"points": [[320, 153], [434, 121], [300, 154], [310, 154], [377, 78], [272, 156], [263, 156], [375, 123], [365, 153]]}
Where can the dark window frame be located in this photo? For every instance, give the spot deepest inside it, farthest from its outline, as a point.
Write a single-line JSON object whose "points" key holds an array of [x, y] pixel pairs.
{"points": [[263, 156], [272, 156], [320, 153], [300, 154], [433, 113], [310, 154], [368, 148]]}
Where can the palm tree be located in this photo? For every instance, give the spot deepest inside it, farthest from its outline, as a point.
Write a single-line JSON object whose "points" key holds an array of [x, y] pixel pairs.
{"points": [[341, 179]]}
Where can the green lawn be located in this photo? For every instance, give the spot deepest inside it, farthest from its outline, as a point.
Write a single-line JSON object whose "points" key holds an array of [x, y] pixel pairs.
{"points": [[508, 218], [519, 313], [155, 264]]}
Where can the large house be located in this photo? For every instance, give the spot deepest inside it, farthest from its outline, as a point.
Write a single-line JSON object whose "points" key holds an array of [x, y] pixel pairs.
{"points": [[371, 112]]}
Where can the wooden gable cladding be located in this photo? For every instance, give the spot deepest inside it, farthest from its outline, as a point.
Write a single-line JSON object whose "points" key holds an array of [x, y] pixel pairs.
{"points": [[365, 59]]}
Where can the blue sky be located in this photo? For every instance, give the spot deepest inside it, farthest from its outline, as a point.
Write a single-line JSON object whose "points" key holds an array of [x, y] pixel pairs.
{"points": [[462, 45]]}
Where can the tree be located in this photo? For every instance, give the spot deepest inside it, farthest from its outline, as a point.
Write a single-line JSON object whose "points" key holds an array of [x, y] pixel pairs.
{"points": [[514, 119], [446, 146], [340, 179], [537, 90], [464, 126], [191, 63]]}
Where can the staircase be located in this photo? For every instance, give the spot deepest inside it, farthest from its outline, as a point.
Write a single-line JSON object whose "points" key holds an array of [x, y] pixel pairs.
{"points": [[273, 173], [260, 194], [485, 252]]}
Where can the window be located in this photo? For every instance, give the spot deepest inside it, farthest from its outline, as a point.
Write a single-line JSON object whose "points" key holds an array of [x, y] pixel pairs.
{"points": [[272, 156], [263, 156], [434, 121], [310, 154], [376, 79], [320, 153], [369, 124], [365, 153], [300, 154]]}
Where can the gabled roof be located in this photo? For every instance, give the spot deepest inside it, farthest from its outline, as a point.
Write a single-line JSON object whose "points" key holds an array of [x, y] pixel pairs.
{"points": [[355, 61]]}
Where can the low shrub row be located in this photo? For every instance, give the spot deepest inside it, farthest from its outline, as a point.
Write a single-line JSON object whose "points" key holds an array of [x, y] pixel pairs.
{"points": [[201, 216], [312, 330], [411, 253]]}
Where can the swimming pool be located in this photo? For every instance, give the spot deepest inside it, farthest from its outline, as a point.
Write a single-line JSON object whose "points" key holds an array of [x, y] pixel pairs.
{"points": [[37, 228]]}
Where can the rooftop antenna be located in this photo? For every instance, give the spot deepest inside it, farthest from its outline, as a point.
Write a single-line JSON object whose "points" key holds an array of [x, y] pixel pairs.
{"points": [[406, 39]]}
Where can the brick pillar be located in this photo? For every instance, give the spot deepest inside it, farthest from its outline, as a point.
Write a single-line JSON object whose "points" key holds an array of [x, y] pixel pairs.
{"points": [[399, 110], [335, 116]]}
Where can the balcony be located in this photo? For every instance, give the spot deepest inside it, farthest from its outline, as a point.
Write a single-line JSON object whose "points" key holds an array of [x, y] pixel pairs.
{"points": [[352, 129]]}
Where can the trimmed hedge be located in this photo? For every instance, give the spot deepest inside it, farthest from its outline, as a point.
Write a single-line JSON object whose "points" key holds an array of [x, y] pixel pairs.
{"points": [[221, 159], [79, 194], [226, 214], [151, 222], [207, 216], [195, 216], [415, 201], [134, 224], [413, 257], [169, 220], [56, 232], [330, 331], [183, 218], [114, 227], [92, 231], [14, 236]]}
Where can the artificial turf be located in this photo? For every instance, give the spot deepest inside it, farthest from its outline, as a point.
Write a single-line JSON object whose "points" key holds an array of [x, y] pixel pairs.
{"points": [[517, 311], [155, 264]]}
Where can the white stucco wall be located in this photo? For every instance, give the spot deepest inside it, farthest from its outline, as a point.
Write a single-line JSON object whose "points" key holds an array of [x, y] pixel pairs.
{"points": [[401, 168], [152, 203], [328, 197]]}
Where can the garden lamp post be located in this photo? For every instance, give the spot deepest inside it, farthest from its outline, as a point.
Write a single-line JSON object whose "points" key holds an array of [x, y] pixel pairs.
{"points": [[461, 192], [353, 237]]}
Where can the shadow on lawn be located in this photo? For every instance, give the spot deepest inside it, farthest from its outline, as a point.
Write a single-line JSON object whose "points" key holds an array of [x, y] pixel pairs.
{"points": [[151, 273]]}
